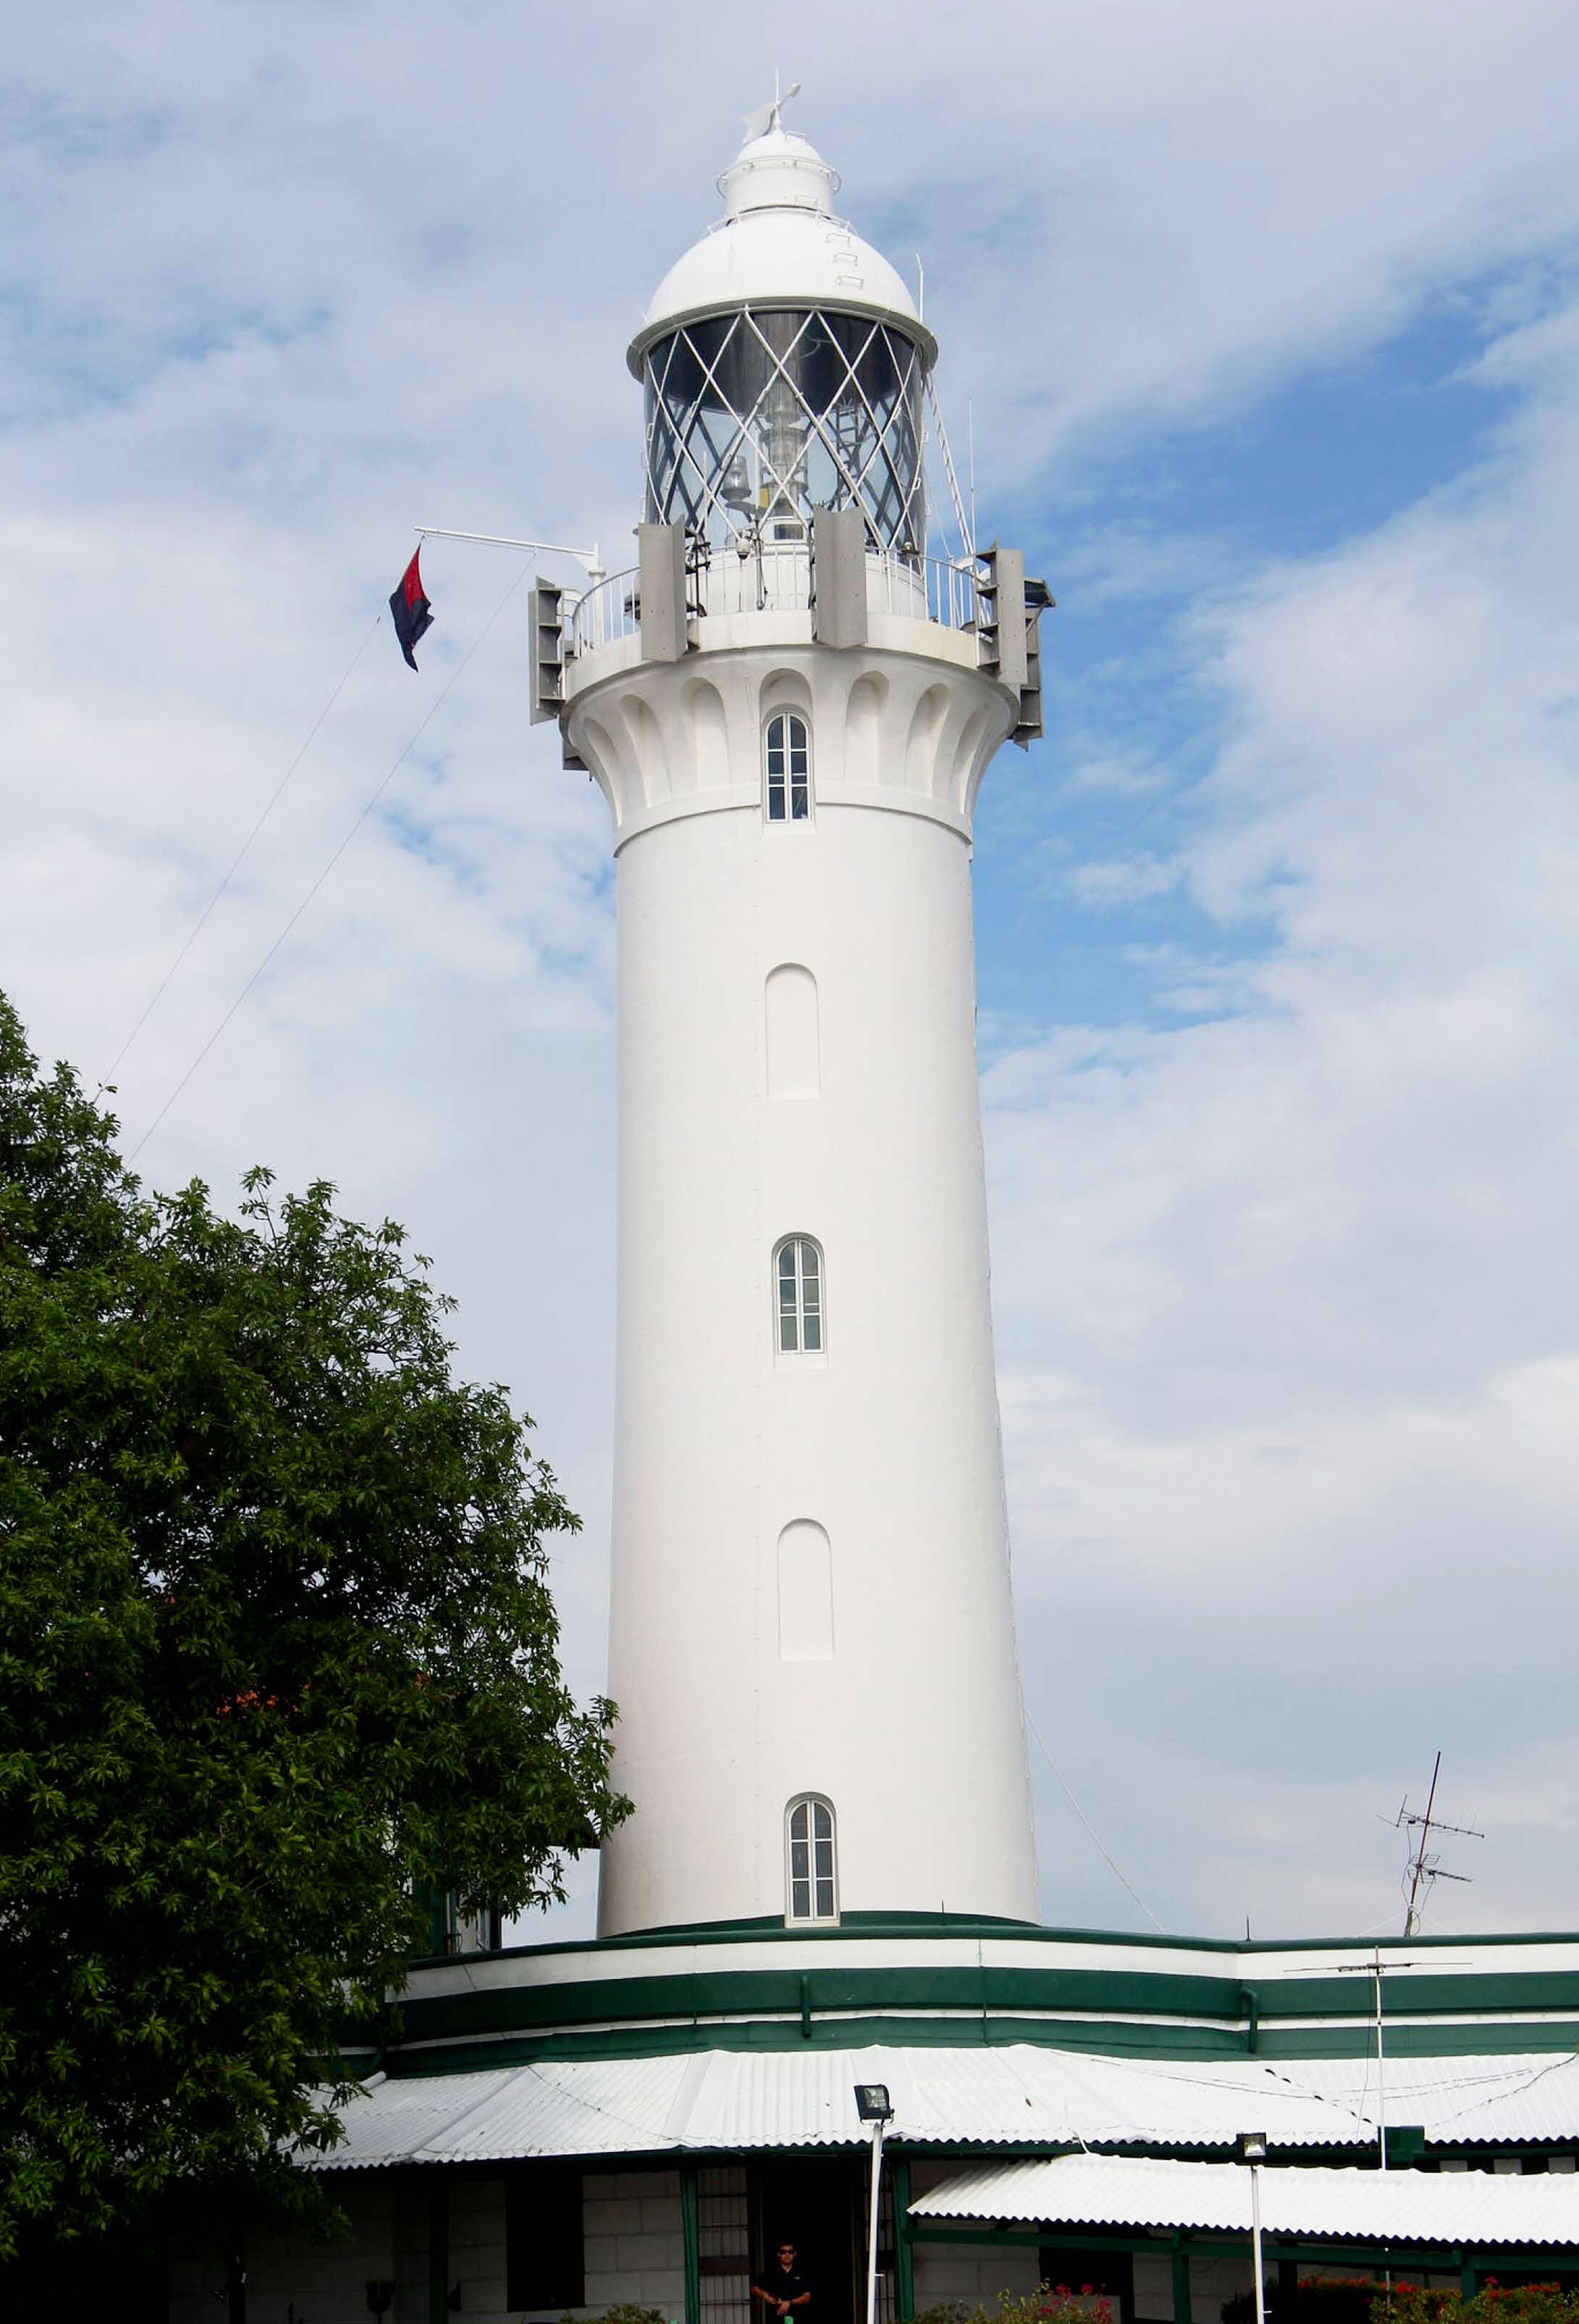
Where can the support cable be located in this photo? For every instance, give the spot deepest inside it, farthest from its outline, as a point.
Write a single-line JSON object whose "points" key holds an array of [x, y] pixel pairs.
{"points": [[1091, 1830], [240, 855], [966, 523], [366, 810]]}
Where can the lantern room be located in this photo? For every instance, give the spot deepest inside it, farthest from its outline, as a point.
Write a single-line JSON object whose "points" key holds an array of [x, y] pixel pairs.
{"points": [[784, 364]]}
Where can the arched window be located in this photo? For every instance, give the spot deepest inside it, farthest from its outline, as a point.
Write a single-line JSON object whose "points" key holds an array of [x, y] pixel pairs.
{"points": [[797, 1270], [810, 1878], [789, 779]]}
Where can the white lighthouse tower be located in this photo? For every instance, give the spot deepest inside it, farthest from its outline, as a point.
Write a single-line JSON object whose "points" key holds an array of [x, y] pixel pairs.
{"points": [[789, 707]]}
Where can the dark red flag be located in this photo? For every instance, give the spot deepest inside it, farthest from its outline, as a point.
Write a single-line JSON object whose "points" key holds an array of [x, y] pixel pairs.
{"points": [[412, 613]]}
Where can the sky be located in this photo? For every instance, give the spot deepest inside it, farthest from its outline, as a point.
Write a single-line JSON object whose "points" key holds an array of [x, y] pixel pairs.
{"points": [[1264, 322]]}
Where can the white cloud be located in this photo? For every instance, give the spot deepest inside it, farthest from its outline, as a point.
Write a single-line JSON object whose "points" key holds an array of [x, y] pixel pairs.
{"points": [[1125, 880], [1288, 1299]]}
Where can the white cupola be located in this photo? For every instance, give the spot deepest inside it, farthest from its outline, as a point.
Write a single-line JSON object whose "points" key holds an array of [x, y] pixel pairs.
{"points": [[778, 172]]}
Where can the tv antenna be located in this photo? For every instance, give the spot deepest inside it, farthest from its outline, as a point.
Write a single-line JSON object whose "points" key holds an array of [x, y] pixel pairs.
{"points": [[1423, 1869], [1376, 1969]]}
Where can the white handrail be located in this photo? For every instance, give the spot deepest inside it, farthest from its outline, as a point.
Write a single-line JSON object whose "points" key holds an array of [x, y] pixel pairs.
{"points": [[779, 580]]}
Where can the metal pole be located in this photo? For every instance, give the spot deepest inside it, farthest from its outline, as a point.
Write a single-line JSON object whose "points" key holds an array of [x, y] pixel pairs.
{"points": [[1255, 2242], [1183, 2312], [903, 2253], [1381, 2078], [586, 557], [1382, 2095], [690, 2242], [872, 2224]]}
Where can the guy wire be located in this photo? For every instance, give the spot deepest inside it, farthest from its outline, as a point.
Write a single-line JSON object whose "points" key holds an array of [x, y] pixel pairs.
{"points": [[366, 810], [278, 793], [1091, 1830]]}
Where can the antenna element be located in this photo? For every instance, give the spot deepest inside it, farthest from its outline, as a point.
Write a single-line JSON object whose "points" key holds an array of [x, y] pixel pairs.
{"points": [[1423, 1869]]}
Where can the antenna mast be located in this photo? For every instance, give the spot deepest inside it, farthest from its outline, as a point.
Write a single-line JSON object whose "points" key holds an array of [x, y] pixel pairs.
{"points": [[1423, 1869]]}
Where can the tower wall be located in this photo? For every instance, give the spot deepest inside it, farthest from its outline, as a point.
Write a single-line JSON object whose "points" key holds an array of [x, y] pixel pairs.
{"points": [[811, 1588]]}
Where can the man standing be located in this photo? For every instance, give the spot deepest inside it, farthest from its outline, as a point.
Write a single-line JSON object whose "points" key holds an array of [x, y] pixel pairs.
{"points": [[782, 2288]]}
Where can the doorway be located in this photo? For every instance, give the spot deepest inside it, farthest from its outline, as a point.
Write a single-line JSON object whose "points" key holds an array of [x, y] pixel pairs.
{"points": [[814, 2202]]}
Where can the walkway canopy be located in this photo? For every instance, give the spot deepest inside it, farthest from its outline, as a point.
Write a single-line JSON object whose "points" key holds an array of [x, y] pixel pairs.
{"points": [[1392, 2207], [718, 2100], [1015, 2094]]}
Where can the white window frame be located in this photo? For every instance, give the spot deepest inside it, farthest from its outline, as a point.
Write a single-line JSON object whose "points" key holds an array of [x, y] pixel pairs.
{"points": [[801, 1311], [788, 785], [813, 1880]]}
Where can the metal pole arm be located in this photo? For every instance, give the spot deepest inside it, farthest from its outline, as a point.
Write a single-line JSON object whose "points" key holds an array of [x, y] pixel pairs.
{"points": [[587, 557]]}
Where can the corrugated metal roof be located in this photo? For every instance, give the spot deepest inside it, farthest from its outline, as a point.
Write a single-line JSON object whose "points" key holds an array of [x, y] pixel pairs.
{"points": [[1460, 2102], [1472, 2207], [1018, 2094], [590, 2107]]}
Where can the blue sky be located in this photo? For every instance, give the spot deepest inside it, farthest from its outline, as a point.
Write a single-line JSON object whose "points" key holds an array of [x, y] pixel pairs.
{"points": [[1267, 321], [1152, 529]]}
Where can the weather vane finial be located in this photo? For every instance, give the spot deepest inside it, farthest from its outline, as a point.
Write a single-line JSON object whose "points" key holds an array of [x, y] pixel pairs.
{"points": [[765, 117]]}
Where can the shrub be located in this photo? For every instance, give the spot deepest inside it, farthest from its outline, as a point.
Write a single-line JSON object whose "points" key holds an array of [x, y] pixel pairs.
{"points": [[1493, 2303], [1050, 2304], [1317, 2300]]}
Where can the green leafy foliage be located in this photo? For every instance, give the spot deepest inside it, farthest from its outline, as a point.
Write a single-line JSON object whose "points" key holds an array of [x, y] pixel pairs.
{"points": [[1050, 2304], [1493, 2303], [1365, 2300], [276, 1648]]}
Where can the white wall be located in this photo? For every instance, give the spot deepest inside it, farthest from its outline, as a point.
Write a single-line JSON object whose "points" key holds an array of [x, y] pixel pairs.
{"points": [[889, 1440], [631, 2223], [973, 2275], [291, 2274], [635, 2248]]}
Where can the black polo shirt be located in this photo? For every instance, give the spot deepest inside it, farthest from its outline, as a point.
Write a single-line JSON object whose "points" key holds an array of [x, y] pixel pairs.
{"points": [[782, 2284]]}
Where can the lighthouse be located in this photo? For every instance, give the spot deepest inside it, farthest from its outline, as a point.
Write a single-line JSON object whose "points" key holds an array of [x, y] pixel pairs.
{"points": [[789, 707]]}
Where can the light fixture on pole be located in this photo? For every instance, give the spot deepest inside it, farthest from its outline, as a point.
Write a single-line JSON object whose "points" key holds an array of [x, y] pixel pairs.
{"points": [[1251, 2147], [873, 2104]]}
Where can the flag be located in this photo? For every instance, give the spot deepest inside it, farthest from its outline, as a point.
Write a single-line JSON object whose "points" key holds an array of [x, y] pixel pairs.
{"points": [[410, 610]]}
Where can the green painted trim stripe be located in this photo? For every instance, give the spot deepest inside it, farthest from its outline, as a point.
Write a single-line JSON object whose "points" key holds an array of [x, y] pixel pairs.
{"points": [[1104, 2039], [903, 1924], [1276, 2015], [1526, 2257], [789, 1992]]}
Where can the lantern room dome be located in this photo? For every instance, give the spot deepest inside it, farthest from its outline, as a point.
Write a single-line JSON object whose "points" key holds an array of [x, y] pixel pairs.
{"points": [[780, 243]]}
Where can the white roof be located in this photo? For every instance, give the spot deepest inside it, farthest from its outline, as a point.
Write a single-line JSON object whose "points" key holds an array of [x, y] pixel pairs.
{"points": [[780, 242], [1457, 2101], [1410, 2206], [1016, 2094]]}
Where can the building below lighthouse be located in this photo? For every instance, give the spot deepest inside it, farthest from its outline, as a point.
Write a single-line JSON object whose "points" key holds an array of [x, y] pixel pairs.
{"points": [[827, 1886]]}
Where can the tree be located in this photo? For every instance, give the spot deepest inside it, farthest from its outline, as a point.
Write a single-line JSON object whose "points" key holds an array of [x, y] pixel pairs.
{"points": [[277, 1652]]}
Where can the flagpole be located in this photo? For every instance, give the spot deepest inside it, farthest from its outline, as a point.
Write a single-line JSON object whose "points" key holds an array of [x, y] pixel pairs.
{"points": [[589, 558]]}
